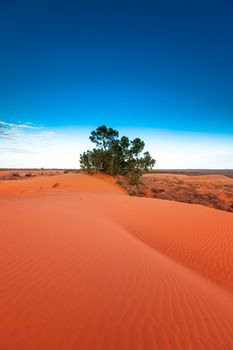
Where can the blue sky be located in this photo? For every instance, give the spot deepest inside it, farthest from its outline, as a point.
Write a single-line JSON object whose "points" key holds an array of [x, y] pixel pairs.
{"points": [[162, 69]]}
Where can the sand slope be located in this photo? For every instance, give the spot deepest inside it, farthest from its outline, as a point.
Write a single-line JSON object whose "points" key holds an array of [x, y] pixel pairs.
{"points": [[41, 184], [91, 268], [196, 236]]}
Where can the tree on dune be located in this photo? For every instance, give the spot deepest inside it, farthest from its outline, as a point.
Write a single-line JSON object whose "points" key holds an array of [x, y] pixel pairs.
{"points": [[116, 156]]}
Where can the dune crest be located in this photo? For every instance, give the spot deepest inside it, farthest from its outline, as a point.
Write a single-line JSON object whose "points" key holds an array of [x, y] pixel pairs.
{"points": [[79, 182]]}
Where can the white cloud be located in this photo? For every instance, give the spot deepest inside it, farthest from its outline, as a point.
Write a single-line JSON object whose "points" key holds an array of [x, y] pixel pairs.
{"points": [[30, 146], [21, 144]]}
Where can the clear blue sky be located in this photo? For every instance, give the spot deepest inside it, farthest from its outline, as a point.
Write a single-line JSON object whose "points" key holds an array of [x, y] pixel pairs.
{"points": [[164, 64]]}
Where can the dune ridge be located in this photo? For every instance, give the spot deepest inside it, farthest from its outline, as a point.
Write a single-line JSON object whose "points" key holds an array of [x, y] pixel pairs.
{"points": [[92, 268], [199, 237], [40, 184]]}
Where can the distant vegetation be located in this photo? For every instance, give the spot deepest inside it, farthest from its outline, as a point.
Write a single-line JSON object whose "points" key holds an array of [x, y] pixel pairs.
{"points": [[215, 194], [116, 156]]}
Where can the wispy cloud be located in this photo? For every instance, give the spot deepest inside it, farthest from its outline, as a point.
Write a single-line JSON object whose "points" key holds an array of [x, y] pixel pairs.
{"points": [[16, 150], [24, 137], [9, 130]]}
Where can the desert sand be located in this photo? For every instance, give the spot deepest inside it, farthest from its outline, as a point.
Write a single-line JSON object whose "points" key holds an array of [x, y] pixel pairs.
{"points": [[85, 266]]}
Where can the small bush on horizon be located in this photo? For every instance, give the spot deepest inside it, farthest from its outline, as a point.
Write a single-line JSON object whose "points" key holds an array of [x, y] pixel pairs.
{"points": [[12, 176], [15, 174]]}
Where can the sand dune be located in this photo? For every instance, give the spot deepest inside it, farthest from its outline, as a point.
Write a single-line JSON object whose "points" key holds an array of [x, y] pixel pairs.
{"points": [[84, 266], [40, 184], [196, 236]]}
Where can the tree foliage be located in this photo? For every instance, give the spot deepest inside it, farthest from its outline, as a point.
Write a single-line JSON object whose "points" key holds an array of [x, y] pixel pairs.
{"points": [[116, 156]]}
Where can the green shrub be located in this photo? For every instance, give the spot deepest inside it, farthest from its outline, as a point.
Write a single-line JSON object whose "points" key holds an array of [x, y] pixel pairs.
{"points": [[116, 156]]}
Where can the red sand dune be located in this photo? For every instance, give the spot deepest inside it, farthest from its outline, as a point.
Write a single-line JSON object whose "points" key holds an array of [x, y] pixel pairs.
{"points": [[41, 184], [84, 266]]}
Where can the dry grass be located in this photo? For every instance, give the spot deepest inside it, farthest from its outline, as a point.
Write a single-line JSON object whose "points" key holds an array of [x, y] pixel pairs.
{"points": [[211, 194], [187, 190]]}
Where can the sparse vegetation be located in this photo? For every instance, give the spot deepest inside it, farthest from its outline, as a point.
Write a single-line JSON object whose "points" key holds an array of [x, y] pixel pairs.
{"points": [[16, 175], [189, 191], [158, 190], [138, 190], [13, 176]]}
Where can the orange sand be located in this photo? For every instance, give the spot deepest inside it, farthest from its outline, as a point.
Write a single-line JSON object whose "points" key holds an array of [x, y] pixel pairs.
{"points": [[42, 184], [84, 266]]}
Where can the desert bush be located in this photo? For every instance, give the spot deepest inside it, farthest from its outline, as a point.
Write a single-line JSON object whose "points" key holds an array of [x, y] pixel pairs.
{"points": [[116, 156], [220, 206], [141, 191], [15, 175], [180, 182], [158, 190], [132, 192], [120, 182]]}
